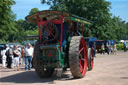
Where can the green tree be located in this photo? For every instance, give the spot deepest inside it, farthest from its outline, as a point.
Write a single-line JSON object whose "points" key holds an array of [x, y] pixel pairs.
{"points": [[95, 10], [28, 26], [117, 28], [25, 28], [127, 29], [33, 10], [7, 26], [19, 36], [104, 25]]}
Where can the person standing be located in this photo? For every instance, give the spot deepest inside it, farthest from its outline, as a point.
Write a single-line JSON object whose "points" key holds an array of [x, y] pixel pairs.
{"points": [[10, 56], [3, 58], [7, 54], [102, 48], [20, 60], [16, 54], [125, 46], [107, 48], [94, 49], [23, 56], [28, 56], [7, 47], [114, 49], [111, 49]]}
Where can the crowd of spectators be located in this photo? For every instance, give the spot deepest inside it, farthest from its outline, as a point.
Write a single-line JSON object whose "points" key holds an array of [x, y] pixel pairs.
{"points": [[109, 49], [13, 56]]}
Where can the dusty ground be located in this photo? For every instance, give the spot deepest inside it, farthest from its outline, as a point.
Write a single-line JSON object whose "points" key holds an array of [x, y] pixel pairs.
{"points": [[108, 70]]}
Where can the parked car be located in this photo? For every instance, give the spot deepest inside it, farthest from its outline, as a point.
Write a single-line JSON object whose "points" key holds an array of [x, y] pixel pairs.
{"points": [[32, 42], [14, 44]]}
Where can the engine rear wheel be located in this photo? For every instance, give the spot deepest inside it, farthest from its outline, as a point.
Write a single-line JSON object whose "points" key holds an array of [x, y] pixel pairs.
{"points": [[40, 70], [90, 59], [78, 57]]}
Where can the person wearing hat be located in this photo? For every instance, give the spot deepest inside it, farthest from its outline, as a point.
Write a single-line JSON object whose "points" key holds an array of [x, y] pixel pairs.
{"points": [[28, 56]]}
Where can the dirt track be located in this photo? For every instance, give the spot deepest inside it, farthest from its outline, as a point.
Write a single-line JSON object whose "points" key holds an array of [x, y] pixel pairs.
{"points": [[108, 70]]}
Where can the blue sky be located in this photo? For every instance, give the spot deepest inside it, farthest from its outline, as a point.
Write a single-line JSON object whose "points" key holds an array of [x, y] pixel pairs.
{"points": [[120, 8], [23, 7]]}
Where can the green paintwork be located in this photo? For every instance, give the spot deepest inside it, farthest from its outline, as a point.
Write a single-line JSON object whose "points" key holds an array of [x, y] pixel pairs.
{"points": [[61, 58], [56, 59], [80, 20]]}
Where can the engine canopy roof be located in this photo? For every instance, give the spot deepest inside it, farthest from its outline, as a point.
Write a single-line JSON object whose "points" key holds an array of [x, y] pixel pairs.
{"points": [[54, 15]]}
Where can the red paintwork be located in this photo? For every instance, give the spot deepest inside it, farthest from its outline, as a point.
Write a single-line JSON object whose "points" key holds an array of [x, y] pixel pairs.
{"points": [[59, 21], [53, 21], [83, 61], [38, 20], [62, 17], [50, 54]]}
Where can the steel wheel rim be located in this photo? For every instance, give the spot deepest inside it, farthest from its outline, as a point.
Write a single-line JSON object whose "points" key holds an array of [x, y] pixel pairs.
{"points": [[92, 62], [82, 57]]}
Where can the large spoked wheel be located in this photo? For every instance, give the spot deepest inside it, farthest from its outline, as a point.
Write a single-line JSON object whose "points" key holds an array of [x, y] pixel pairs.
{"points": [[40, 70], [78, 57], [90, 59]]}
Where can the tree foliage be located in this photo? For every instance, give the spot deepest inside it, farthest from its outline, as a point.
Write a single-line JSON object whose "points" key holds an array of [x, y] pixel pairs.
{"points": [[104, 25], [25, 25], [26, 28], [33, 10], [7, 25], [12, 30]]}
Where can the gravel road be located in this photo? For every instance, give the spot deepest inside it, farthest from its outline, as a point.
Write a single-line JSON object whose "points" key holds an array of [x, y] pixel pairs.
{"points": [[108, 70]]}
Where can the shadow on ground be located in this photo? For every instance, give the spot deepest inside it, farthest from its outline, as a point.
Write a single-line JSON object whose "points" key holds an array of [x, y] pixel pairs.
{"points": [[32, 77], [124, 78]]}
